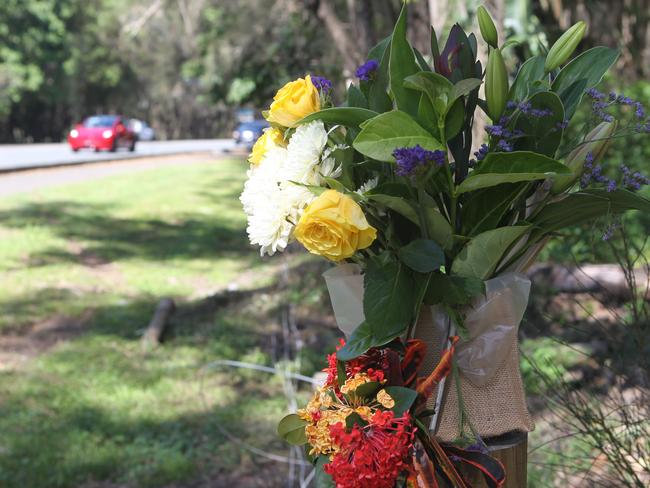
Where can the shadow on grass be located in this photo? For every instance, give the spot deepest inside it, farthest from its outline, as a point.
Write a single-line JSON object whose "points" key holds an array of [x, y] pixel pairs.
{"points": [[109, 238], [99, 408]]}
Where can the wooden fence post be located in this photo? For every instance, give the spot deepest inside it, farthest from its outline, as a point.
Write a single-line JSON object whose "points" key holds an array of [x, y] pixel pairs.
{"points": [[515, 461]]}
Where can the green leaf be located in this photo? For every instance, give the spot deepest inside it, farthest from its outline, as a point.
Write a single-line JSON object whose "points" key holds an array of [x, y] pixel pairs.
{"points": [[381, 135], [402, 64], [511, 167], [292, 429], [464, 87], [571, 97], [422, 255], [424, 66], [389, 296], [367, 390], [590, 65], [322, 479], [532, 70], [427, 116], [485, 208], [452, 290], [583, 206], [435, 86], [354, 419], [359, 342], [348, 116], [356, 98], [439, 229], [397, 204], [404, 398], [481, 255], [378, 99], [541, 134], [341, 375], [454, 119]]}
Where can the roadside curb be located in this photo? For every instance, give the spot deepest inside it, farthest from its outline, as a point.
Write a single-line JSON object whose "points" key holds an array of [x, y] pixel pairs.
{"points": [[125, 157]]}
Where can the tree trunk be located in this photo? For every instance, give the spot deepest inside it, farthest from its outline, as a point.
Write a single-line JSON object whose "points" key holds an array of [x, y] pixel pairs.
{"points": [[348, 48]]}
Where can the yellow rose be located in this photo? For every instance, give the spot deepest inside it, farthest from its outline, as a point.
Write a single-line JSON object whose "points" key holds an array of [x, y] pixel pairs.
{"points": [[293, 101], [334, 226], [271, 138]]}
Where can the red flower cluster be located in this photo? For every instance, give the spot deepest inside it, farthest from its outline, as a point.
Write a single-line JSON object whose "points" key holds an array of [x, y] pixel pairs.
{"points": [[374, 455], [373, 363]]}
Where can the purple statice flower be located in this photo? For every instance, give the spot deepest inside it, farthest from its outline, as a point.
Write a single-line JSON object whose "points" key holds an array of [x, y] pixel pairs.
{"points": [[366, 71], [410, 159], [595, 94], [633, 181], [482, 152], [511, 105], [643, 127], [525, 107], [609, 231], [611, 186], [623, 100], [639, 113], [495, 130], [505, 146], [322, 83], [539, 113], [563, 125]]}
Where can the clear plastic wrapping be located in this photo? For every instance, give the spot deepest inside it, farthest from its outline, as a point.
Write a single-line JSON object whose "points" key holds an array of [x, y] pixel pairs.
{"points": [[492, 321]]}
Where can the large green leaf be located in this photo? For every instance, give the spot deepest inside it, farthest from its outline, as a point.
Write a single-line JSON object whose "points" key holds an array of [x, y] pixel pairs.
{"points": [[397, 204], [402, 63], [321, 478], [389, 297], [591, 66], [377, 89], [583, 206], [481, 255], [452, 290], [439, 229], [422, 255], [511, 167], [356, 98], [292, 429], [381, 135], [532, 70], [348, 116], [435, 86], [404, 398], [359, 342], [571, 97], [541, 134], [485, 208]]}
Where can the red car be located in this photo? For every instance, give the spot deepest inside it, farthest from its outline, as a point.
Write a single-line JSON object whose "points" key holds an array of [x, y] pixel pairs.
{"points": [[99, 132]]}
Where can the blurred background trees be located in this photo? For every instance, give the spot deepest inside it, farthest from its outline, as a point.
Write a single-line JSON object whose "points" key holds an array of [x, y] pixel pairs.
{"points": [[185, 65]]}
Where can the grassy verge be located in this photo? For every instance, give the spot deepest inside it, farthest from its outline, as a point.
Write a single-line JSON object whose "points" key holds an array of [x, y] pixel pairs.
{"points": [[94, 258]]}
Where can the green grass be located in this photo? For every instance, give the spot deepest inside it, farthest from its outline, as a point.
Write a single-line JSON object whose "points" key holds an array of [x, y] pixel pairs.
{"points": [[96, 407]]}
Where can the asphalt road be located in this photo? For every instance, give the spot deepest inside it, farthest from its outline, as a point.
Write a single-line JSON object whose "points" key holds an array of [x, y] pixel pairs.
{"points": [[27, 156]]}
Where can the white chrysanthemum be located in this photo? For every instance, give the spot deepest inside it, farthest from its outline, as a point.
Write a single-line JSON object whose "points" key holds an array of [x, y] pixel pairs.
{"points": [[274, 196], [304, 153], [371, 184]]}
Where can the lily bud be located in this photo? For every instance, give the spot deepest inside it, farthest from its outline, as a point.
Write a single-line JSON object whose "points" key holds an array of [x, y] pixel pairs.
{"points": [[564, 46], [600, 137], [486, 25], [496, 85]]}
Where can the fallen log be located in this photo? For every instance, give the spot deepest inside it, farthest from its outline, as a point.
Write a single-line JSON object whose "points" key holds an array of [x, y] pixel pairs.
{"points": [[153, 334], [590, 278]]}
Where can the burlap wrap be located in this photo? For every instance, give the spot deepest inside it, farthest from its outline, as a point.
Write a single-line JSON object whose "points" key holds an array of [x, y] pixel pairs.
{"points": [[495, 408], [490, 379]]}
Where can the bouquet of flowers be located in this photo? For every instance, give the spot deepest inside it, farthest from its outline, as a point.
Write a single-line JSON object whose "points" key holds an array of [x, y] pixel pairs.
{"points": [[392, 182]]}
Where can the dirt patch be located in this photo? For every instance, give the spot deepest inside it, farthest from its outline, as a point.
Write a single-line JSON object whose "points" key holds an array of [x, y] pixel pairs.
{"points": [[17, 349]]}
